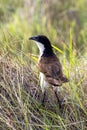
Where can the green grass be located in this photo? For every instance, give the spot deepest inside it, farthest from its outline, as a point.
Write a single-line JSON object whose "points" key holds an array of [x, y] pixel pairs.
{"points": [[20, 93], [19, 110]]}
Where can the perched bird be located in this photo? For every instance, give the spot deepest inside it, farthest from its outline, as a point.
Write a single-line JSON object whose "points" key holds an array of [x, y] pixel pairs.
{"points": [[49, 65]]}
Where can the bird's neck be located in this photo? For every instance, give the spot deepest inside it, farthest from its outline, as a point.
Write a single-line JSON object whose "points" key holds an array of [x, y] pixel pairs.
{"points": [[44, 51], [48, 52], [41, 48]]}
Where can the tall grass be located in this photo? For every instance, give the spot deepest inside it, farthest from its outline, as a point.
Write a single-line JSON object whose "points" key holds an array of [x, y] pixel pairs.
{"points": [[20, 93]]}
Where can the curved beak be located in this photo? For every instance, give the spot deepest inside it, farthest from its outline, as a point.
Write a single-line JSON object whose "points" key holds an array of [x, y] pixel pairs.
{"points": [[33, 38]]}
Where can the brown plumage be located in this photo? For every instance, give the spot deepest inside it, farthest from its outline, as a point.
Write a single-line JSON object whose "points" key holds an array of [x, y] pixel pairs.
{"points": [[52, 69]]}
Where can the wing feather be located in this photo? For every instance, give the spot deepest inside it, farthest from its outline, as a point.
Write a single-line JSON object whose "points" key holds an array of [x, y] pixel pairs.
{"points": [[52, 71]]}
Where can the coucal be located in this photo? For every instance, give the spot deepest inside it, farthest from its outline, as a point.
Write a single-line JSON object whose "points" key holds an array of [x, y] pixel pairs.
{"points": [[49, 66]]}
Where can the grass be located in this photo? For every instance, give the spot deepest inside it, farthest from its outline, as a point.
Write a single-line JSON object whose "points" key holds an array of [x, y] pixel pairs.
{"points": [[20, 93], [20, 96]]}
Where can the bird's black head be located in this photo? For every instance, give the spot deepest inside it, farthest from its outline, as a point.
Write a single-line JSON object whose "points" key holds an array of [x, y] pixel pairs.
{"points": [[41, 39]]}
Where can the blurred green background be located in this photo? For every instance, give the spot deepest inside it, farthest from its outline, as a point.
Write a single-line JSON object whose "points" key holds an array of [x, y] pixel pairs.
{"points": [[64, 22], [23, 18]]}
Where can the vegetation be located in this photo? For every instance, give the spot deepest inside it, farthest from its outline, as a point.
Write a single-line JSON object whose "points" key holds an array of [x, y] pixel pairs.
{"points": [[64, 22]]}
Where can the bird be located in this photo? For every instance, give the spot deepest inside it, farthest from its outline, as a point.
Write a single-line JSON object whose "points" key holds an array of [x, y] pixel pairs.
{"points": [[49, 66]]}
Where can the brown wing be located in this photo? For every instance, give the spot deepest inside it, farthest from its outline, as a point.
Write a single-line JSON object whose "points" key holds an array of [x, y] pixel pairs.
{"points": [[52, 70], [53, 74]]}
